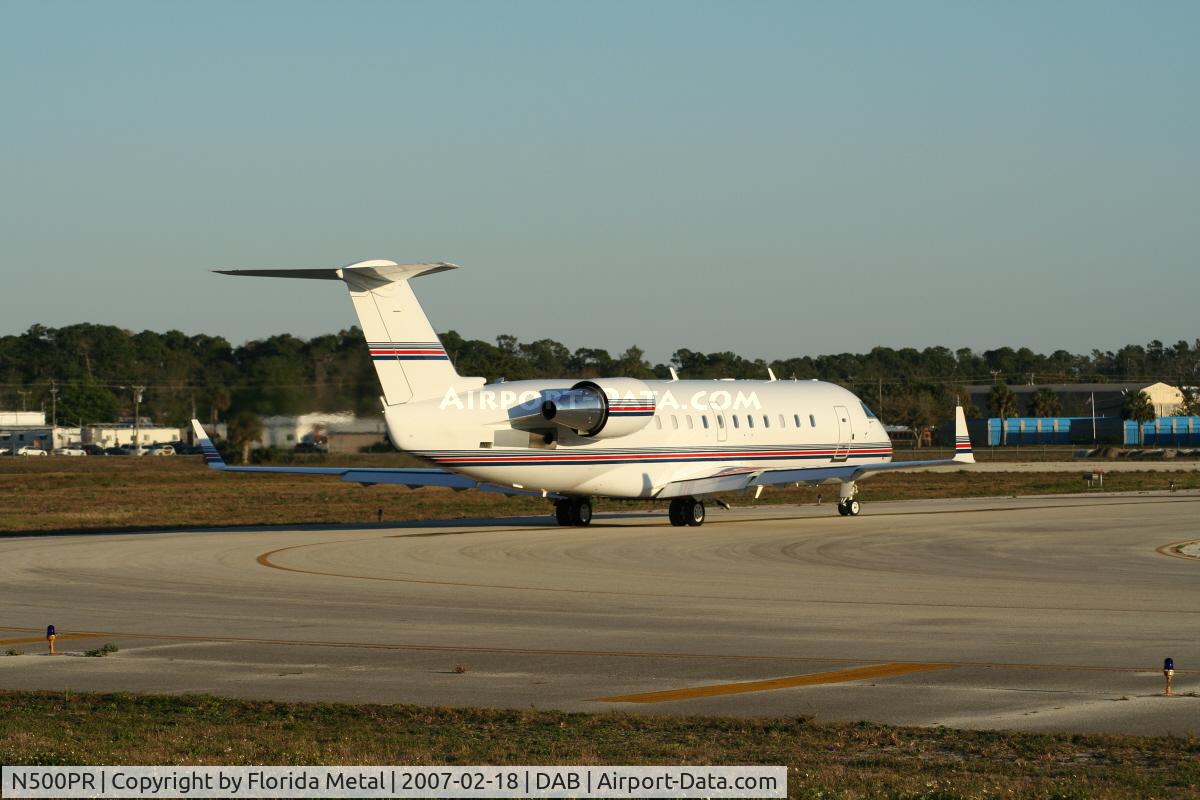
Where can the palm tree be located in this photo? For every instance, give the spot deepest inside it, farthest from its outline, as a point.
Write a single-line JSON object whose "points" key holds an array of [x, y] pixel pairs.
{"points": [[1045, 403], [1004, 405], [1136, 405]]}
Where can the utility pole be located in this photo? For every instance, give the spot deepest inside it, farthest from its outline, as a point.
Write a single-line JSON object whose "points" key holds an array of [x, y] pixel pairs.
{"points": [[24, 396], [137, 418]]}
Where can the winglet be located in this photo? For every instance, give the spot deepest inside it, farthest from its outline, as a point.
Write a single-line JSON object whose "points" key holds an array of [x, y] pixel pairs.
{"points": [[963, 453], [212, 456]]}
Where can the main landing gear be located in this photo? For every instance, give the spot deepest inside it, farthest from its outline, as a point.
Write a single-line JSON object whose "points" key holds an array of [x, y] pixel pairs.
{"points": [[847, 505], [573, 511], [686, 511]]}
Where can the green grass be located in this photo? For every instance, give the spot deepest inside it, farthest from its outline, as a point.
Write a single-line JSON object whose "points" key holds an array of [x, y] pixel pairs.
{"points": [[101, 652], [831, 760], [115, 494]]}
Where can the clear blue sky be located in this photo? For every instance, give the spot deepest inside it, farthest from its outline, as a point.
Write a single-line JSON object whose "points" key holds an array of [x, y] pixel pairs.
{"points": [[772, 178]]}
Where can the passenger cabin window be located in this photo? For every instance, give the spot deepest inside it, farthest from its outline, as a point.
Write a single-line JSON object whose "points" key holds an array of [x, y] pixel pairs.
{"points": [[658, 423], [735, 421], [766, 421], [750, 420], [812, 420], [674, 423], [689, 420], [797, 417], [782, 422], [704, 421]]}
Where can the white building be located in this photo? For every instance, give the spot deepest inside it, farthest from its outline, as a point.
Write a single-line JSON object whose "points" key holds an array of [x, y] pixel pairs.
{"points": [[116, 435], [29, 429]]}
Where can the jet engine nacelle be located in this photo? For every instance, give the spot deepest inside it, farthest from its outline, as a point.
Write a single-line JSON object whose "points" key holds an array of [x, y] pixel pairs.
{"points": [[602, 409]]}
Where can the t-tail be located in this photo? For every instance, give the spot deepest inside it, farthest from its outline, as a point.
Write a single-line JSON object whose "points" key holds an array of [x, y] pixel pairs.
{"points": [[409, 359]]}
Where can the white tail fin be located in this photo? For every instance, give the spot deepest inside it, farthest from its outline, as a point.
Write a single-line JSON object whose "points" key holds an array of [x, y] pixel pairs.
{"points": [[962, 440], [409, 359]]}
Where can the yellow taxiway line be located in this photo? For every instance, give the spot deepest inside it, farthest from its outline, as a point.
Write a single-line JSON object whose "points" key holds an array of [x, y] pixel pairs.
{"points": [[60, 637], [814, 679], [1175, 549]]}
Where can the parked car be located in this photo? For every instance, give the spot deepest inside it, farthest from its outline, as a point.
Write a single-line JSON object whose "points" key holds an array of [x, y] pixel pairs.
{"points": [[32, 451], [115, 451], [161, 450], [69, 451], [94, 450]]}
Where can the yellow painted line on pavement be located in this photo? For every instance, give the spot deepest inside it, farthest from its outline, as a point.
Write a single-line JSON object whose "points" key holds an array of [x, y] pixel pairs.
{"points": [[1175, 549], [814, 679], [59, 637]]}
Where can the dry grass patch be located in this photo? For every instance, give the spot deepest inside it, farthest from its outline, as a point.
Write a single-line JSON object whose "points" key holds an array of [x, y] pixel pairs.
{"points": [[95, 494], [832, 760]]}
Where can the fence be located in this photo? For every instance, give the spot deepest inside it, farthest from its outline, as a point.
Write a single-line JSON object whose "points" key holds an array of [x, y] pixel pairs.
{"points": [[1029, 431], [1165, 432]]}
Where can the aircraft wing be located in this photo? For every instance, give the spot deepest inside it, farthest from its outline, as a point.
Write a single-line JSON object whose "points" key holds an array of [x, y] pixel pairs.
{"points": [[741, 478], [413, 478]]}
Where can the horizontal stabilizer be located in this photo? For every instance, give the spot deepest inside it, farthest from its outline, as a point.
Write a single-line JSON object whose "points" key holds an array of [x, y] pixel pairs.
{"points": [[366, 273]]}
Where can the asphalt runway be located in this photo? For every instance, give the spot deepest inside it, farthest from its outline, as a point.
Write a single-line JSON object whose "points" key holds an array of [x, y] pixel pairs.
{"points": [[1052, 613]]}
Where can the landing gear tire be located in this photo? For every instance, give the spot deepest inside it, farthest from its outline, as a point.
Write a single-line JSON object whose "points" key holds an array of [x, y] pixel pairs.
{"points": [[581, 511], [849, 508], [676, 512], [694, 512], [562, 512]]}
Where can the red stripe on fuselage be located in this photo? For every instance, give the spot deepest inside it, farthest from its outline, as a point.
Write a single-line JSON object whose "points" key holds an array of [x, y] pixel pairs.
{"points": [[734, 456]]}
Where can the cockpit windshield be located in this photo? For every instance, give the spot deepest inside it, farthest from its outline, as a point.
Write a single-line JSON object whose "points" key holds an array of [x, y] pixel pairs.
{"points": [[866, 410]]}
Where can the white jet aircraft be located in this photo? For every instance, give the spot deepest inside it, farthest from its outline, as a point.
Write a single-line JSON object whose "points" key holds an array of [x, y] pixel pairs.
{"points": [[569, 441]]}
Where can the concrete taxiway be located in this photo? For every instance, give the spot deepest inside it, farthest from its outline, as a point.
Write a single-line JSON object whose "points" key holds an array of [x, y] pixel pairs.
{"points": [[1050, 613]]}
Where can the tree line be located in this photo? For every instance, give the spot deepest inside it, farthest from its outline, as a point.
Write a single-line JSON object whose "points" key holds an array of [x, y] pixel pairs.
{"points": [[89, 373]]}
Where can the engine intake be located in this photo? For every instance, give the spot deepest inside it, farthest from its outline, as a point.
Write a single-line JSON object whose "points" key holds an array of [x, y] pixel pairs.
{"points": [[582, 409], [602, 413]]}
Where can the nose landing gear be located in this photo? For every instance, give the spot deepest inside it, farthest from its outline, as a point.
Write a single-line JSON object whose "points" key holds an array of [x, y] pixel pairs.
{"points": [[847, 505]]}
